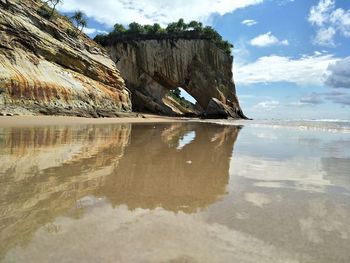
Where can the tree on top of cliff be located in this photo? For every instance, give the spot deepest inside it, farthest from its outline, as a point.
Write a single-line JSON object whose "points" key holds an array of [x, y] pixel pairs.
{"points": [[177, 29], [197, 26], [48, 8], [119, 28], [136, 28], [79, 20]]}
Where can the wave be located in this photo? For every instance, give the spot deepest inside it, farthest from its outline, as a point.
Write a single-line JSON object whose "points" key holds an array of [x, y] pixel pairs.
{"points": [[327, 125]]}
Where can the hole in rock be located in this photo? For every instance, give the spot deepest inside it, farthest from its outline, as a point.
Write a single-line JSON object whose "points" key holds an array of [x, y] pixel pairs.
{"points": [[183, 97]]}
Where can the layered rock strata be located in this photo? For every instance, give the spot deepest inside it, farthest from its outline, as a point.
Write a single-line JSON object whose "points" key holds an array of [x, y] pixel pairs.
{"points": [[45, 68], [153, 67]]}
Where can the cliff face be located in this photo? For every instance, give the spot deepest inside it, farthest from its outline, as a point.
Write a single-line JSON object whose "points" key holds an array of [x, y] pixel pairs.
{"points": [[45, 69], [153, 67]]}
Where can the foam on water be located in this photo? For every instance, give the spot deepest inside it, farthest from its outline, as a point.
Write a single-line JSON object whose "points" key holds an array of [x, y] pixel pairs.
{"points": [[327, 125]]}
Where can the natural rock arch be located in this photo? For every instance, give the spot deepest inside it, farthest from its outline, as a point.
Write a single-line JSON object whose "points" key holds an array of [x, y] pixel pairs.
{"points": [[152, 67]]}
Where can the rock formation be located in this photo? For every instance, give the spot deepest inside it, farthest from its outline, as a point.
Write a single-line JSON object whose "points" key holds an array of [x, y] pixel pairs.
{"points": [[151, 67], [46, 69]]}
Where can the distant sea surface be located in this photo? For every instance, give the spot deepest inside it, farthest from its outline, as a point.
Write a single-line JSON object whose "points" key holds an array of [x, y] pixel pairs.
{"points": [[229, 191], [328, 125]]}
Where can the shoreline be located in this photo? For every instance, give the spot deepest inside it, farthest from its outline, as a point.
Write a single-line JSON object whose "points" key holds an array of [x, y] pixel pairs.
{"points": [[45, 120]]}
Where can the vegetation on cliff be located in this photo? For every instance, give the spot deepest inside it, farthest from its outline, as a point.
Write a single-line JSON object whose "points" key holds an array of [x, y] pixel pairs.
{"points": [[79, 20], [179, 29], [176, 95], [48, 11], [48, 8]]}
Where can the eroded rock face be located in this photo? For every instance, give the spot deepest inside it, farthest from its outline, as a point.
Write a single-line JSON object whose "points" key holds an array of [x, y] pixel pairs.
{"points": [[153, 67], [45, 70]]}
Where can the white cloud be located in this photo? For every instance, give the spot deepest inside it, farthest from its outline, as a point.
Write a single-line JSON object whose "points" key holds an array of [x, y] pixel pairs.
{"points": [[312, 98], [339, 74], [267, 39], [325, 37], [338, 96], [285, 2], [89, 31], [341, 19], [249, 22], [110, 12], [319, 14], [329, 21], [267, 105], [241, 51], [305, 70]]}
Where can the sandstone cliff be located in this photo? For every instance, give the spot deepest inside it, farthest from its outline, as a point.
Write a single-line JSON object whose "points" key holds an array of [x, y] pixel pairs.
{"points": [[45, 69], [152, 67]]}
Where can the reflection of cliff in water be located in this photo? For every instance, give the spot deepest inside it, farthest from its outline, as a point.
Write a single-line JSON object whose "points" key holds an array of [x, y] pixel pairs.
{"points": [[156, 171], [45, 171]]}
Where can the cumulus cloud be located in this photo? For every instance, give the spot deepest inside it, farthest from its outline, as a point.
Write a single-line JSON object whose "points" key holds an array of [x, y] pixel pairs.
{"points": [[303, 71], [249, 22], [319, 14], [325, 37], [267, 39], [310, 100], [329, 21], [92, 31], [313, 98], [284, 2], [339, 74], [335, 96], [267, 105], [110, 12], [338, 97], [344, 100]]}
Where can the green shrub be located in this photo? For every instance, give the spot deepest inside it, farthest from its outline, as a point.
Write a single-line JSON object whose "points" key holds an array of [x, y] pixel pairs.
{"points": [[71, 33], [48, 8], [176, 95], [177, 29], [119, 28], [101, 38], [44, 12]]}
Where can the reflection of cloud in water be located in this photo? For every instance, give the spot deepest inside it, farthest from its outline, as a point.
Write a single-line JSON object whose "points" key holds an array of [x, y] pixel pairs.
{"points": [[303, 160], [142, 235], [312, 226], [284, 144], [298, 201], [295, 173], [320, 220], [337, 171], [186, 139], [257, 199]]}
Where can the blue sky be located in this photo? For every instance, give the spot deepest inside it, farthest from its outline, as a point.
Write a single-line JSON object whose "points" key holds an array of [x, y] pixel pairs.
{"points": [[291, 57]]}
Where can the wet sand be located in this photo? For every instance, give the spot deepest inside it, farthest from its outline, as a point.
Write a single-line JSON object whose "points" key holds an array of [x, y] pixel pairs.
{"points": [[173, 192], [26, 121]]}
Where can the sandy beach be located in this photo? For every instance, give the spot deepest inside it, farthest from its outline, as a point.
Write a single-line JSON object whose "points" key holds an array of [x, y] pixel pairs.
{"points": [[25, 121]]}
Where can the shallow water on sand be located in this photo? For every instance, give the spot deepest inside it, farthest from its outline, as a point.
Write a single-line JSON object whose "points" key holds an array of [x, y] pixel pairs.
{"points": [[176, 192]]}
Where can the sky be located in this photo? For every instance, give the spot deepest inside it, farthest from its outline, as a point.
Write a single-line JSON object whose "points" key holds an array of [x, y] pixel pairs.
{"points": [[291, 57]]}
